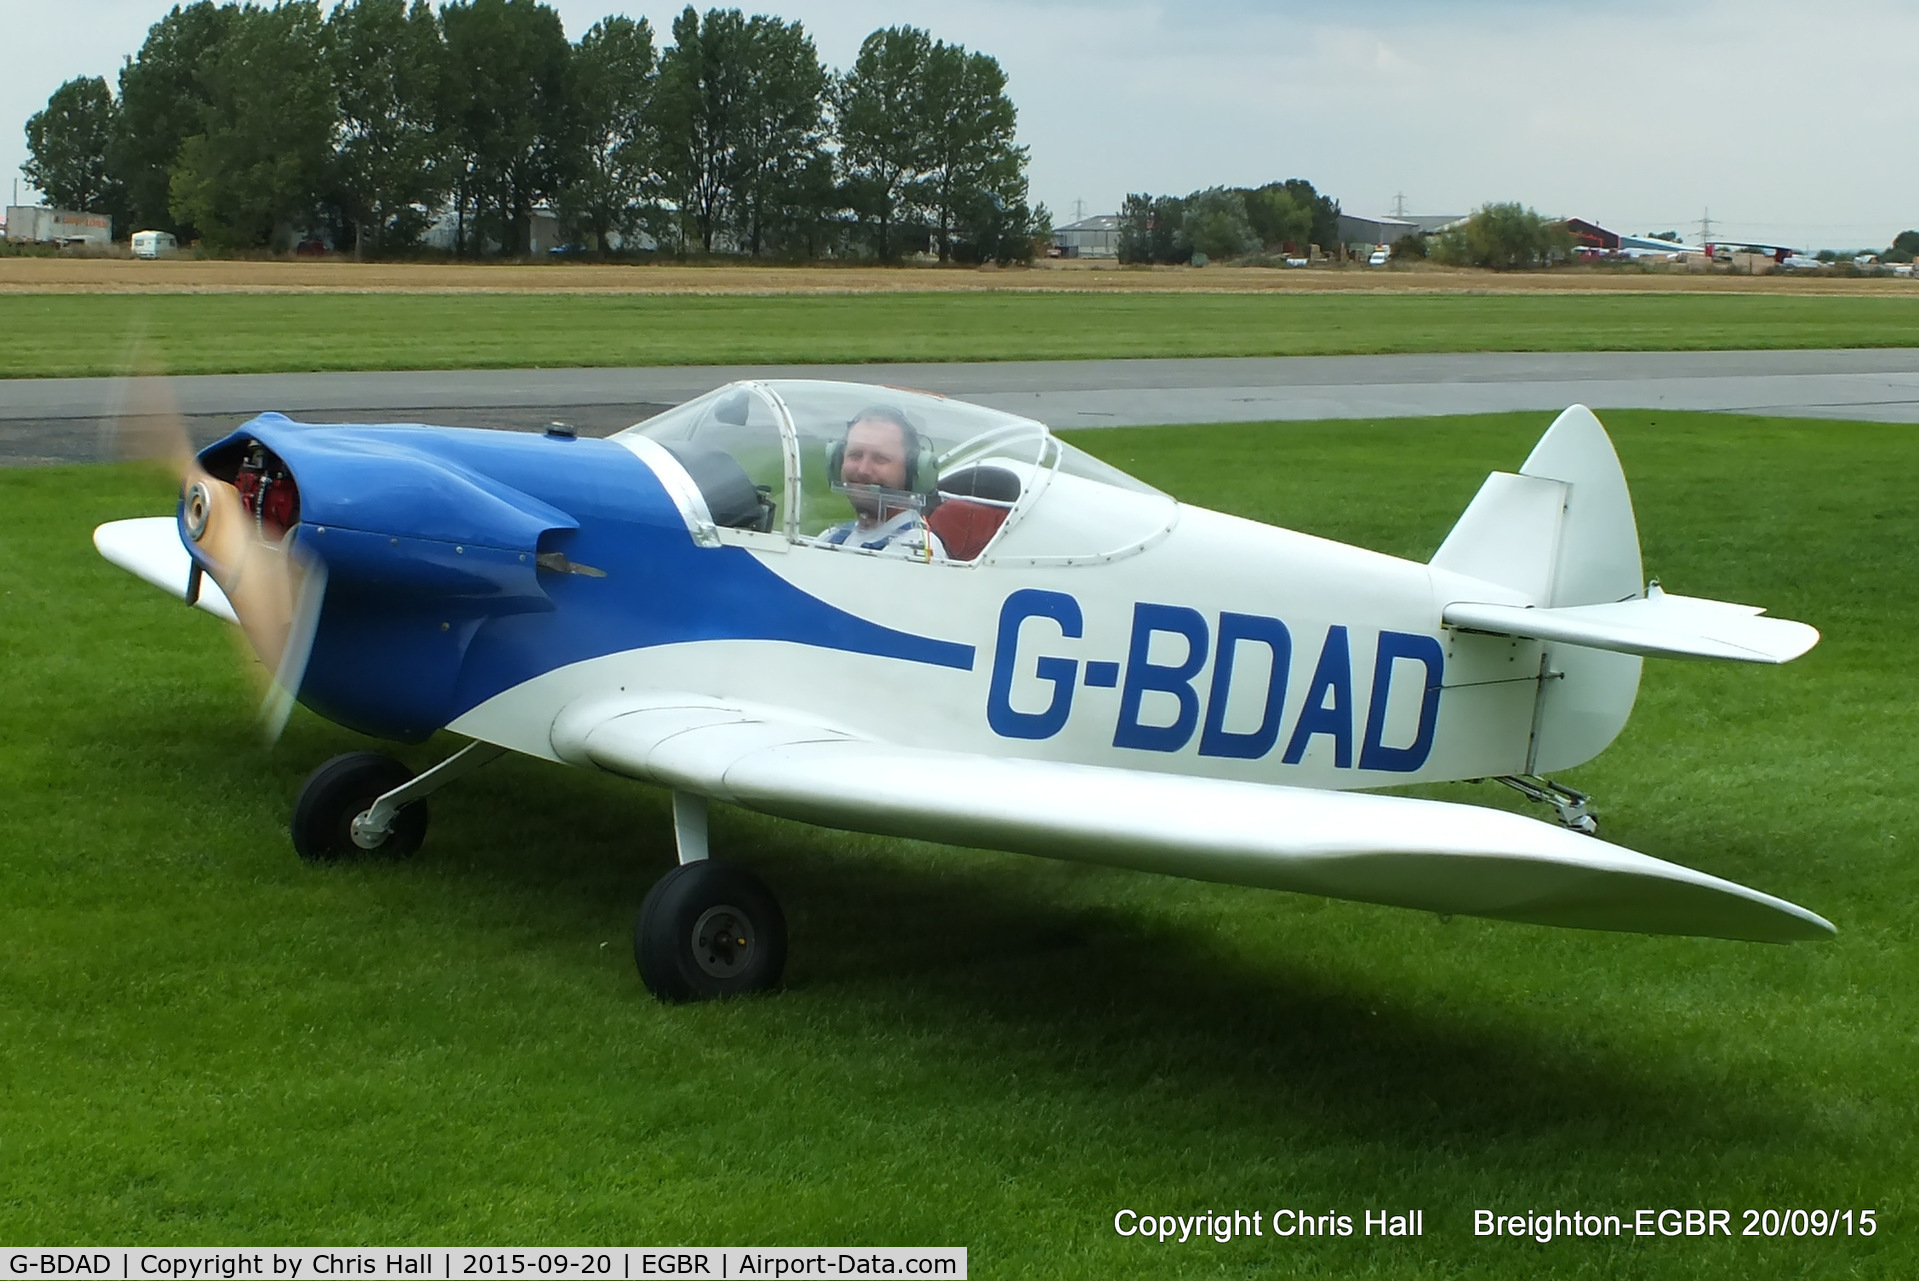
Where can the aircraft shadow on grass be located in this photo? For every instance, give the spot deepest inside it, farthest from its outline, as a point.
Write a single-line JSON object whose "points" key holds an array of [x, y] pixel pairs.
{"points": [[1100, 1000], [1103, 998]]}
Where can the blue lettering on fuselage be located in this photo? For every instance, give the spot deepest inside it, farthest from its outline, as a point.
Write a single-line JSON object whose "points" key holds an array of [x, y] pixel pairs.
{"points": [[1424, 650], [1270, 632], [1063, 673], [1143, 675], [1185, 642], [1329, 703]]}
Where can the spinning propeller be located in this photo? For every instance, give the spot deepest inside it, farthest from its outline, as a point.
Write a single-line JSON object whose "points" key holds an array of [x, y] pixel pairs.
{"points": [[243, 521]]}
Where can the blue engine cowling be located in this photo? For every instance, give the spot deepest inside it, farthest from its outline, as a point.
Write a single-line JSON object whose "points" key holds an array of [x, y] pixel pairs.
{"points": [[425, 540]]}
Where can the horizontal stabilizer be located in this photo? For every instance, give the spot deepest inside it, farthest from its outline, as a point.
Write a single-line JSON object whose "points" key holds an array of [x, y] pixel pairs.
{"points": [[1399, 851], [1659, 624], [150, 548]]}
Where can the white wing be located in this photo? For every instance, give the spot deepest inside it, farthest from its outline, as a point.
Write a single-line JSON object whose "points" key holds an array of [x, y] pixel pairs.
{"points": [[1431, 855]]}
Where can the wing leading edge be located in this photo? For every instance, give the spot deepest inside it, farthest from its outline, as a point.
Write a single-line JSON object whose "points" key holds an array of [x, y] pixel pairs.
{"points": [[1430, 855]]}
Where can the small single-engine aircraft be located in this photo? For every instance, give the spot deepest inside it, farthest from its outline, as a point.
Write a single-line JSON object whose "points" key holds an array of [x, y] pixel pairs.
{"points": [[890, 612]]}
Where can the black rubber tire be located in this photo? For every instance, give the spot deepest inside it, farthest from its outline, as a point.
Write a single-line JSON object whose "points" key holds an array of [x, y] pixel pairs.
{"points": [[709, 930], [339, 792]]}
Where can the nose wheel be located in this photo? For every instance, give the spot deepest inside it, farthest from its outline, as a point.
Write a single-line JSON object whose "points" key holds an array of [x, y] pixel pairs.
{"points": [[364, 803], [709, 930], [342, 790]]}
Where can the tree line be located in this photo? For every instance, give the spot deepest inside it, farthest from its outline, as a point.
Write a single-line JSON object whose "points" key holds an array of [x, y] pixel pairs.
{"points": [[243, 127], [1227, 222]]}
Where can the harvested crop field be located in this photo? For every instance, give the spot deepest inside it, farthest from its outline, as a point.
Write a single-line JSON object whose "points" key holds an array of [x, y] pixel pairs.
{"points": [[28, 275]]}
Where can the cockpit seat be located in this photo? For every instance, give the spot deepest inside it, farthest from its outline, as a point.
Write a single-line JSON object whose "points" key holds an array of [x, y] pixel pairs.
{"points": [[974, 503]]}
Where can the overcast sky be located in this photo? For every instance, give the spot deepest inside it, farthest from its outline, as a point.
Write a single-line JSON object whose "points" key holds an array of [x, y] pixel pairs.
{"points": [[1792, 123]]}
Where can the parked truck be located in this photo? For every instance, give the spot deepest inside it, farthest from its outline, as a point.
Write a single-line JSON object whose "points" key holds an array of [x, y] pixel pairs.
{"points": [[41, 225]]}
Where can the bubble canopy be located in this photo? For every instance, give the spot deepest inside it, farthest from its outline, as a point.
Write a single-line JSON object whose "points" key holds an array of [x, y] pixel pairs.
{"points": [[765, 456]]}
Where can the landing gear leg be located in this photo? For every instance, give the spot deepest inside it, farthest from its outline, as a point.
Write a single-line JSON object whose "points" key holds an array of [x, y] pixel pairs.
{"points": [[363, 803], [1573, 808], [707, 929]]}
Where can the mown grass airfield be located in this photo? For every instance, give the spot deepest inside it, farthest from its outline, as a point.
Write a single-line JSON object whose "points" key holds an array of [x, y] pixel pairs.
{"points": [[210, 1042]]}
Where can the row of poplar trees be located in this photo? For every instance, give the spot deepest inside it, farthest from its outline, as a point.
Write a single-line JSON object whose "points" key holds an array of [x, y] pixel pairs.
{"points": [[247, 127]]}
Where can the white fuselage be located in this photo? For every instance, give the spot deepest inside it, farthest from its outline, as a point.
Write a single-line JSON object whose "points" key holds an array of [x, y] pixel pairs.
{"points": [[1172, 667]]}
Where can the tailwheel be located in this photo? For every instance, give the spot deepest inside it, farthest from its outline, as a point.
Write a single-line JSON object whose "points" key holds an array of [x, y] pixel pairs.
{"points": [[343, 790], [709, 930], [1572, 808]]}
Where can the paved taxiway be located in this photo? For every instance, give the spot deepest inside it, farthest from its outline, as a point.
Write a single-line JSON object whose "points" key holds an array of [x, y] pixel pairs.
{"points": [[71, 419]]}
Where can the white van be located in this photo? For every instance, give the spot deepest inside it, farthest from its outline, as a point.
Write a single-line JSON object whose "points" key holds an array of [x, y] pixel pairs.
{"points": [[154, 244]]}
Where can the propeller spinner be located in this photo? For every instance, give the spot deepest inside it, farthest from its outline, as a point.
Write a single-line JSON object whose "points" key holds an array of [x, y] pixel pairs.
{"points": [[242, 528], [245, 531]]}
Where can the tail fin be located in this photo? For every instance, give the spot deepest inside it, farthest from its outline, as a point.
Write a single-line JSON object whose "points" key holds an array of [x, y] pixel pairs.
{"points": [[1561, 533], [1562, 530]]}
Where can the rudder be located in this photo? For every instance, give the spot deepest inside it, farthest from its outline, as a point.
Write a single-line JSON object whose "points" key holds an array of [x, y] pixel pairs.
{"points": [[1562, 533]]}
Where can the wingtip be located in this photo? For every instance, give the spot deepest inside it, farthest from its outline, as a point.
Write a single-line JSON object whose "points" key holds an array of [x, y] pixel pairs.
{"points": [[1814, 927], [1809, 637]]}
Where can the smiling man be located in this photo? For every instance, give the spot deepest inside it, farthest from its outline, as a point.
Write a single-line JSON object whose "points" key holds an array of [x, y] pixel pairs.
{"points": [[877, 467]]}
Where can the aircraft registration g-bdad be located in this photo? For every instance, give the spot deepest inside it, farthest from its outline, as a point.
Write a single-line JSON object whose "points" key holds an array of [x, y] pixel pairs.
{"points": [[891, 612]]}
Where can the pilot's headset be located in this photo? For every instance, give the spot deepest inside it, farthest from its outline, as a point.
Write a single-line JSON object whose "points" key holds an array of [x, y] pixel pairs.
{"points": [[922, 470]]}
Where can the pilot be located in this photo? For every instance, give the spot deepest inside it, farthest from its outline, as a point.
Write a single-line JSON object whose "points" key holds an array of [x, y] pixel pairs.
{"points": [[878, 461]]}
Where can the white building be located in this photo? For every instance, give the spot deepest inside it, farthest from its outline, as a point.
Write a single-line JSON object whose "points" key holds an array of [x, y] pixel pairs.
{"points": [[1095, 237], [1389, 229]]}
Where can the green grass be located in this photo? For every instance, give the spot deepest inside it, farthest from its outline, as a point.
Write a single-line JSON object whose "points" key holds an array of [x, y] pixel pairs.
{"points": [[208, 1042], [63, 335]]}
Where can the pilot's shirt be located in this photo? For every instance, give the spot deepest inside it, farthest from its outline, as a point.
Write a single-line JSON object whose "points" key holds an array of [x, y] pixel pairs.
{"points": [[904, 535]]}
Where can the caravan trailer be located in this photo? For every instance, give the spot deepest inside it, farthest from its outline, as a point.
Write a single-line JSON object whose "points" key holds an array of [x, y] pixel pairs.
{"points": [[154, 244]]}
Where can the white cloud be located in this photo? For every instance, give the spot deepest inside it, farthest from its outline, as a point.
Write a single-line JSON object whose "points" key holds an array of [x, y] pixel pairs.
{"points": [[1636, 114]]}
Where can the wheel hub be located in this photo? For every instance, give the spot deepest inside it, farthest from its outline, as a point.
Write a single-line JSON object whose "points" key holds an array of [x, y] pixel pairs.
{"points": [[722, 941], [365, 835]]}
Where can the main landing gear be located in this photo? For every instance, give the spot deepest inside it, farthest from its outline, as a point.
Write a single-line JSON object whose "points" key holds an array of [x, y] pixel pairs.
{"points": [[706, 929], [1573, 809]]}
